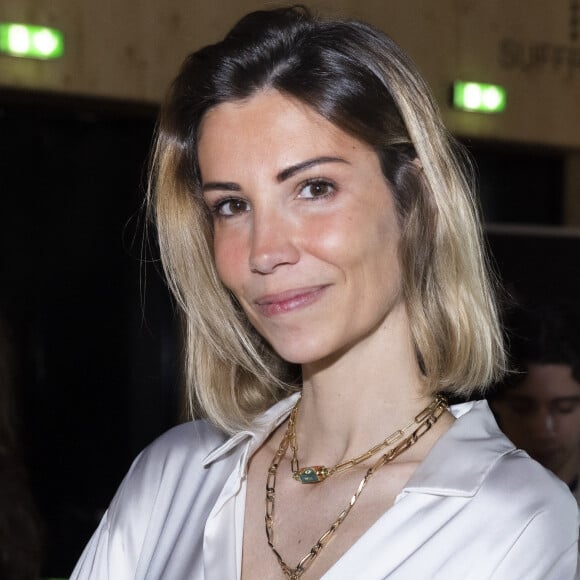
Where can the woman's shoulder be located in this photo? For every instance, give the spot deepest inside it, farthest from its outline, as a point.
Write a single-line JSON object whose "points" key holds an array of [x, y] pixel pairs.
{"points": [[510, 473], [194, 439], [535, 515], [179, 450], [522, 481], [169, 476], [475, 459]]}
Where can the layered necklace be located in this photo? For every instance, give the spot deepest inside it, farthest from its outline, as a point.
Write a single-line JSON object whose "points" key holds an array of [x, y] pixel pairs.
{"points": [[318, 473]]}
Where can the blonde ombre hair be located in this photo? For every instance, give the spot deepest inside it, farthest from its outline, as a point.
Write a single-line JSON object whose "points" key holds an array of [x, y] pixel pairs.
{"points": [[361, 81]]}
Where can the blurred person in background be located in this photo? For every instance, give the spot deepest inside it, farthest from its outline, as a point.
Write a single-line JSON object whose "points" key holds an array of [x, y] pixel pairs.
{"points": [[539, 405]]}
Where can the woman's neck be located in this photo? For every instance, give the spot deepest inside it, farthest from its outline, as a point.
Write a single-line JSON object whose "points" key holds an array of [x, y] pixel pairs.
{"points": [[354, 401]]}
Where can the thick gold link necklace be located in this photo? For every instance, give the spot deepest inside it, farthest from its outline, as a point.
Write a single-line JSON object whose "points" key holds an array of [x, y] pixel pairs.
{"points": [[424, 420]]}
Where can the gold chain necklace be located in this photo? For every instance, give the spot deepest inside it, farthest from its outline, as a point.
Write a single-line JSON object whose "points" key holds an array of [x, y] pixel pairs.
{"points": [[428, 417], [318, 473]]}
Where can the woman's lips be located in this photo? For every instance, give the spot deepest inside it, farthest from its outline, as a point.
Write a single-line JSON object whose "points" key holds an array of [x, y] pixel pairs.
{"points": [[280, 303]]}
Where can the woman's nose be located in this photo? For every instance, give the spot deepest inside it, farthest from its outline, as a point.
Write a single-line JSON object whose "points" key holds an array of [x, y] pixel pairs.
{"points": [[272, 243]]}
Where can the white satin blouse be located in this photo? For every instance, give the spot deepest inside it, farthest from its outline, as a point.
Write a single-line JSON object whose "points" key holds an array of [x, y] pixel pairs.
{"points": [[475, 509]]}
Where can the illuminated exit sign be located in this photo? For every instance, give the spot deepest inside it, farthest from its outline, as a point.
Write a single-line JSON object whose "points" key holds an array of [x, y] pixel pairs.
{"points": [[30, 41], [479, 97]]}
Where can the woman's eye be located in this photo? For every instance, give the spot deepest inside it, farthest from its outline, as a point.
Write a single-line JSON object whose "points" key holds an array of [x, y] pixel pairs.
{"points": [[230, 207], [317, 188]]}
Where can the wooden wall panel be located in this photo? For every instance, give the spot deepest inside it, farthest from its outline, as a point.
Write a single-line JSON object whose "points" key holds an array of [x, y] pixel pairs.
{"points": [[130, 49]]}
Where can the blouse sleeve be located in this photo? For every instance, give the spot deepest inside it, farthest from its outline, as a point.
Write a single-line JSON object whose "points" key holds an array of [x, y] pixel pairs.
{"points": [[113, 551], [93, 561], [165, 488]]}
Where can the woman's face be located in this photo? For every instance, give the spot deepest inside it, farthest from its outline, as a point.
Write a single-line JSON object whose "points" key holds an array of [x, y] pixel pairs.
{"points": [[305, 228]]}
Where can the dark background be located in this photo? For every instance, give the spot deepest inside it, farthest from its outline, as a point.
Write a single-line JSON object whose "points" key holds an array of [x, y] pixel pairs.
{"points": [[93, 328], [94, 331]]}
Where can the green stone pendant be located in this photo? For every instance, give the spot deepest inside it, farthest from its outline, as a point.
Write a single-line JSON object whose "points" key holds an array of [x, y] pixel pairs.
{"points": [[313, 474]]}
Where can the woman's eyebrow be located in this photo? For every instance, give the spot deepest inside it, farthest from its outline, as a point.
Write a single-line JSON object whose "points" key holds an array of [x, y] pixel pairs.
{"points": [[282, 176], [220, 186], [293, 169]]}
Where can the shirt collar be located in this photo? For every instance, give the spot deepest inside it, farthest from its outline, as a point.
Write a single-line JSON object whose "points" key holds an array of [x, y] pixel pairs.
{"points": [[460, 460], [260, 430]]}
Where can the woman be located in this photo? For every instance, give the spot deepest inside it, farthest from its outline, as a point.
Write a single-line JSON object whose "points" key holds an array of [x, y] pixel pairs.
{"points": [[319, 236]]}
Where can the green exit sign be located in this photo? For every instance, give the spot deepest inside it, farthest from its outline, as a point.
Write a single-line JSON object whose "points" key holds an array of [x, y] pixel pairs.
{"points": [[479, 97], [31, 41]]}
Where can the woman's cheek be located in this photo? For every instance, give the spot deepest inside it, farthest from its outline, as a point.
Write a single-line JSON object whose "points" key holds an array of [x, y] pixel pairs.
{"points": [[229, 260]]}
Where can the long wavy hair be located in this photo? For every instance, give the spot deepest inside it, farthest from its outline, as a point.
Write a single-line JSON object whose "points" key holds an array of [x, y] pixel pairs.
{"points": [[360, 80]]}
